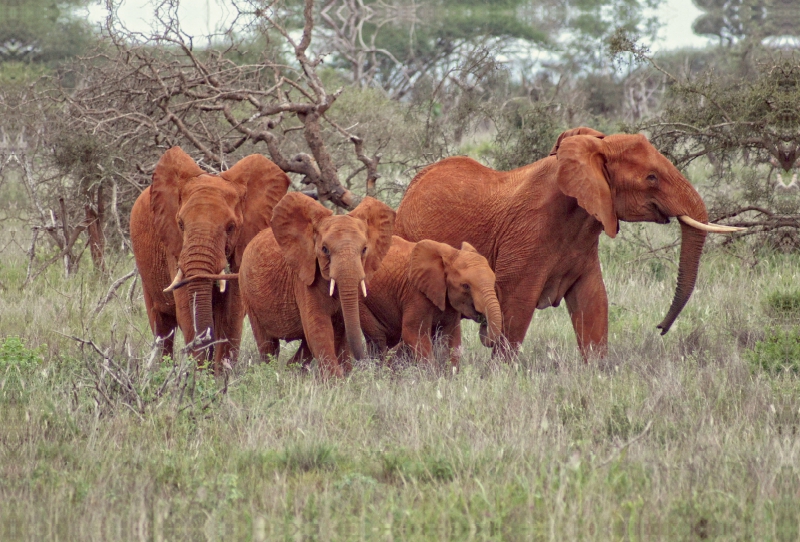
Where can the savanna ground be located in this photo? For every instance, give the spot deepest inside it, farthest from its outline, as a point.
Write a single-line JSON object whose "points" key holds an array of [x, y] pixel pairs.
{"points": [[688, 436]]}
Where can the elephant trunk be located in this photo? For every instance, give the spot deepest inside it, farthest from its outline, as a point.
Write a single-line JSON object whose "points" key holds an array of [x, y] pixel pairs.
{"points": [[692, 240], [201, 256], [348, 297], [202, 317], [487, 304]]}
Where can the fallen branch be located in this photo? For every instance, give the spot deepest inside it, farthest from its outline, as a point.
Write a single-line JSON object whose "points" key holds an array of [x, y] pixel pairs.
{"points": [[112, 290]]}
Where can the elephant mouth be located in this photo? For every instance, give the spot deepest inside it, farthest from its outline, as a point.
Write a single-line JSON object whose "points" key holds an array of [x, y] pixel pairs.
{"points": [[660, 216], [479, 318]]}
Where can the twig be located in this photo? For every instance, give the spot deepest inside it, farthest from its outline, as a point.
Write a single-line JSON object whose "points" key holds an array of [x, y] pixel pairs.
{"points": [[616, 452], [114, 287]]}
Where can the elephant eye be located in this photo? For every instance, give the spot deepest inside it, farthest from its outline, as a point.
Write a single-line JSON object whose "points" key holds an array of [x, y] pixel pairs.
{"points": [[180, 224], [652, 178], [230, 228], [466, 287], [363, 251], [325, 251]]}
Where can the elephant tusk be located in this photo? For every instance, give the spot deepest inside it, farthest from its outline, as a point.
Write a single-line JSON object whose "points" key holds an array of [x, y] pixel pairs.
{"points": [[714, 228], [178, 278], [364, 287], [333, 285], [224, 283]]}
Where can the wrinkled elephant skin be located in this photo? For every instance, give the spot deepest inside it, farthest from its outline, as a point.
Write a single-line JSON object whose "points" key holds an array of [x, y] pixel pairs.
{"points": [[189, 223], [302, 278], [539, 225]]}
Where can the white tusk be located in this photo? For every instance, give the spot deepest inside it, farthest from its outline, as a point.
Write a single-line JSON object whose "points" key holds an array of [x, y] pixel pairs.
{"points": [[333, 285], [224, 283], [714, 228], [364, 287], [178, 278]]}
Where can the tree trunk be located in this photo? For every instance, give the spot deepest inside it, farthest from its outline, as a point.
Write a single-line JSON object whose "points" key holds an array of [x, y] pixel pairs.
{"points": [[94, 230]]}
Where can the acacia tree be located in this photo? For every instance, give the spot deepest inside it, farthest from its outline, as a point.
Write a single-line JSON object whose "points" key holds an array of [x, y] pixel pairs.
{"points": [[144, 94]]}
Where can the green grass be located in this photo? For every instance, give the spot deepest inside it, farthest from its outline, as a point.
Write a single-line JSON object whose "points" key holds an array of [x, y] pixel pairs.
{"points": [[674, 437]]}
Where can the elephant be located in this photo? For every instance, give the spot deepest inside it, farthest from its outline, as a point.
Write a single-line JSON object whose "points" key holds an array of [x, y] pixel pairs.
{"points": [[188, 224], [539, 225], [301, 278], [425, 287]]}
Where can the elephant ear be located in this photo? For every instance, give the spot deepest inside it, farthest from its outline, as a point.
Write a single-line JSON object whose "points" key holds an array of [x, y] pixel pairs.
{"points": [[380, 228], [426, 270], [582, 130], [294, 222], [581, 175], [264, 185], [469, 248], [172, 171]]}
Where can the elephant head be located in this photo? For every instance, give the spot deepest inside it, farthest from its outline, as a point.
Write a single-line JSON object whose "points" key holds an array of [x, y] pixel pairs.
{"points": [[623, 177], [205, 221], [461, 277], [344, 249]]}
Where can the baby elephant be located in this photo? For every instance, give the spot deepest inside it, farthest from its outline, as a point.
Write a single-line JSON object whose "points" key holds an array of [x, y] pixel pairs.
{"points": [[427, 287]]}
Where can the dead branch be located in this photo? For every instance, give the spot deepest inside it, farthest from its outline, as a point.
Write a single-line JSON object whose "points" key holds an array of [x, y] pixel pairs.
{"points": [[112, 290]]}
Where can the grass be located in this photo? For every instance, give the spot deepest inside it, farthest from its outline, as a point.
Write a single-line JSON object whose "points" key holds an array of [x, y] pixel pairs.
{"points": [[677, 437]]}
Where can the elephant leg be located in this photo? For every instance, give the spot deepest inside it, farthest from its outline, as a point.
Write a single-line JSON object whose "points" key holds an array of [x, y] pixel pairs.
{"points": [[516, 321], [319, 332], [165, 328], [451, 331], [162, 324], [228, 322], [417, 327], [302, 356], [587, 303], [269, 347], [374, 333]]}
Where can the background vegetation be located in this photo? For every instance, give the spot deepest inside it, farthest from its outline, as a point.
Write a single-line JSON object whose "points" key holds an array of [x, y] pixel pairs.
{"points": [[689, 436]]}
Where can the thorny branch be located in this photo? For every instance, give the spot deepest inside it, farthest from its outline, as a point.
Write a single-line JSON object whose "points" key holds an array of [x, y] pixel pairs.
{"points": [[150, 93]]}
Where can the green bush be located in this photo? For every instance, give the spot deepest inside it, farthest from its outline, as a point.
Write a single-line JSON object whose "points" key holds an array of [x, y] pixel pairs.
{"points": [[784, 304], [778, 351], [14, 353]]}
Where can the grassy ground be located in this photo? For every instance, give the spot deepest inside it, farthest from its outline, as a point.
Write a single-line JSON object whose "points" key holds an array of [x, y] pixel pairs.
{"points": [[686, 436]]}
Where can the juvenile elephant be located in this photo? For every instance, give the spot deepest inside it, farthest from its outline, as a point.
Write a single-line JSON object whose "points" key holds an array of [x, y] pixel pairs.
{"points": [[189, 223], [425, 287], [539, 225], [301, 278]]}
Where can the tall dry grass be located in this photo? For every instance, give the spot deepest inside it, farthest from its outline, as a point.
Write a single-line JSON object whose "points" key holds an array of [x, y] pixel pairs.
{"points": [[675, 437]]}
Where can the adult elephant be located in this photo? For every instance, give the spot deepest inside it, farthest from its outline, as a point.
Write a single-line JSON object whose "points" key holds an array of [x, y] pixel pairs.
{"points": [[301, 278], [188, 223], [539, 225]]}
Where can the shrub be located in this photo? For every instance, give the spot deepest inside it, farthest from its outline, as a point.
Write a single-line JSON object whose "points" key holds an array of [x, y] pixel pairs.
{"points": [[784, 304], [14, 353], [778, 351]]}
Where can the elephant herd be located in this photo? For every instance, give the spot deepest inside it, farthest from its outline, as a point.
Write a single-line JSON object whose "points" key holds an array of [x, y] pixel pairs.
{"points": [[466, 242]]}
